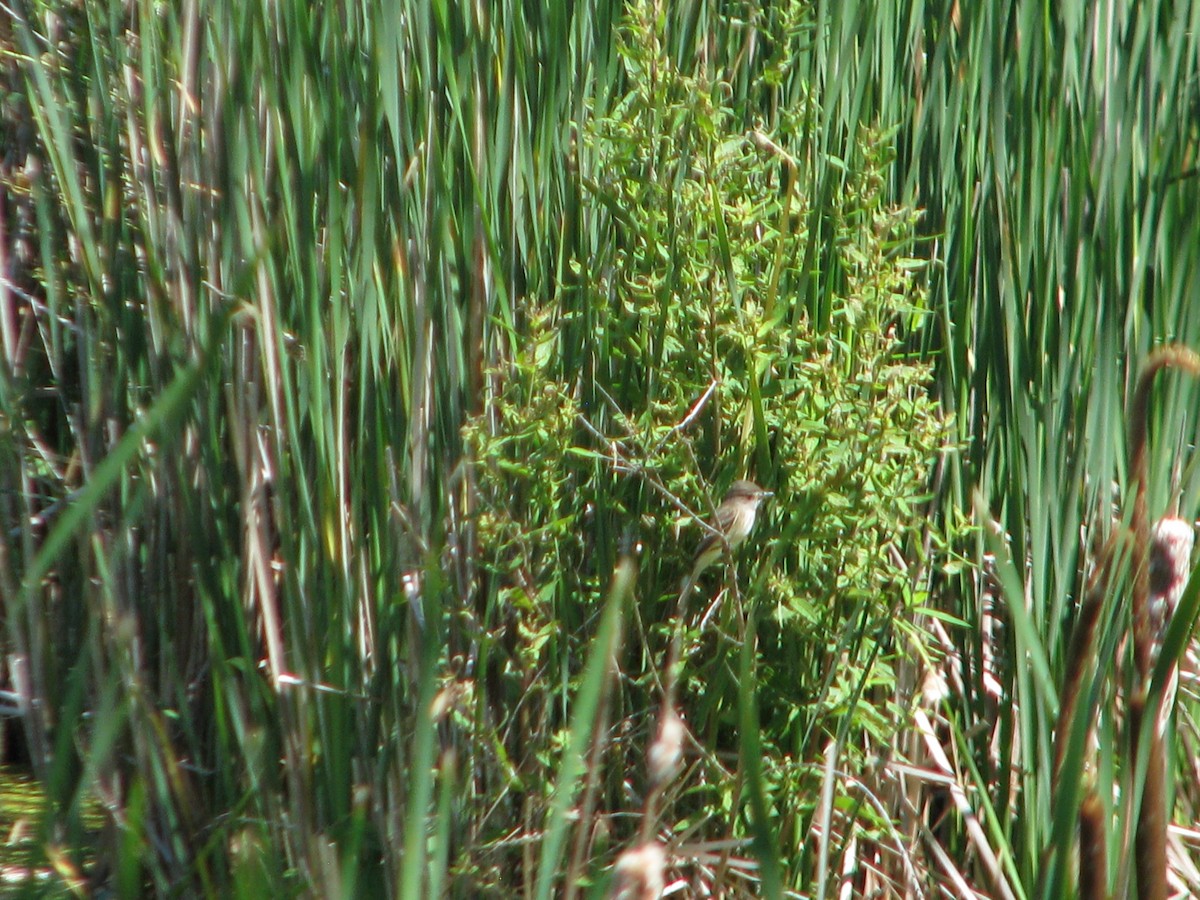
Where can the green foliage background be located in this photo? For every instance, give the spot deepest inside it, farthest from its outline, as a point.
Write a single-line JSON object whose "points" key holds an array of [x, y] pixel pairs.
{"points": [[696, 278], [348, 349]]}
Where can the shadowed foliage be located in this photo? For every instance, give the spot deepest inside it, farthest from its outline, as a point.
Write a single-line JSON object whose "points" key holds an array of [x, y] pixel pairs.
{"points": [[367, 369]]}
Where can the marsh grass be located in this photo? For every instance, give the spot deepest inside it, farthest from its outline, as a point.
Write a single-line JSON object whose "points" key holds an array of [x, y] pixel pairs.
{"points": [[349, 352]]}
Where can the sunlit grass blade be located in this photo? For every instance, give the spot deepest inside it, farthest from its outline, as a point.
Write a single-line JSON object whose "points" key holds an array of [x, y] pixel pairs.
{"points": [[597, 676]]}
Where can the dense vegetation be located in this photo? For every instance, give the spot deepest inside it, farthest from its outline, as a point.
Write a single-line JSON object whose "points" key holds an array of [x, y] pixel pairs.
{"points": [[367, 372]]}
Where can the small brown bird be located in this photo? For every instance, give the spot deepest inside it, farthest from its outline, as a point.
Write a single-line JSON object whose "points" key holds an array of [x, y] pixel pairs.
{"points": [[735, 519]]}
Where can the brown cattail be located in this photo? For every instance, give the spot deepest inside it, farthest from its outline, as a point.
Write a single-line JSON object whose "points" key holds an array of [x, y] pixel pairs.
{"points": [[1170, 564], [1093, 855], [1150, 837]]}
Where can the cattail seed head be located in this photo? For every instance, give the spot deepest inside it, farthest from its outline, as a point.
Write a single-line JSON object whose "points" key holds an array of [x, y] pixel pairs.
{"points": [[640, 873], [662, 760], [1170, 563]]}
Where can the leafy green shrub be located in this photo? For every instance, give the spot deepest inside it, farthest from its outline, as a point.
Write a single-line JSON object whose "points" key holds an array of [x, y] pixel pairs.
{"points": [[700, 270]]}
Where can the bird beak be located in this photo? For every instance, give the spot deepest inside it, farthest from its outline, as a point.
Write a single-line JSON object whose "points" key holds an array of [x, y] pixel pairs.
{"points": [[765, 494]]}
